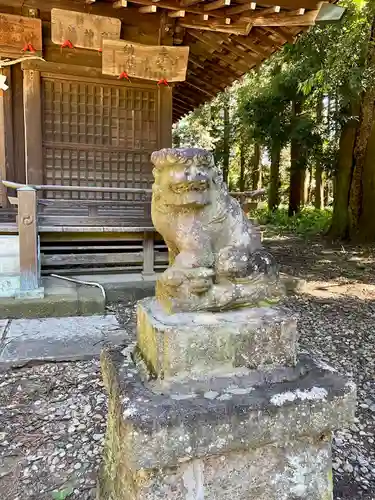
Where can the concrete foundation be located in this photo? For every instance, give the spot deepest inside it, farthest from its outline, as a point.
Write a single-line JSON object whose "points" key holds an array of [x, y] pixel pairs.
{"points": [[63, 298], [60, 299], [263, 442], [9, 266], [218, 406]]}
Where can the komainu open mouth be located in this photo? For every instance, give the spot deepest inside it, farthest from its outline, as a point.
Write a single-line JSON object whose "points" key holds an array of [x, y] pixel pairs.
{"points": [[184, 187]]}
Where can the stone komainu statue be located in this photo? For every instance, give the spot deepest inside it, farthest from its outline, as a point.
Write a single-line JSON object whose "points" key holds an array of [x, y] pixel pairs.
{"points": [[217, 260]]}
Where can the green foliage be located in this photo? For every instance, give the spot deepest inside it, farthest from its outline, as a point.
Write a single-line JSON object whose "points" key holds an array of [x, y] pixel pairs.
{"points": [[308, 222], [322, 75], [62, 494]]}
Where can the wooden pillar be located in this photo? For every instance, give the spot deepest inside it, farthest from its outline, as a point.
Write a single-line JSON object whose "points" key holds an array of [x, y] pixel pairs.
{"points": [[165, 116], [166, 30], [32, 106], [6, 138], [148, 254], [18, 125], [28, 243]]}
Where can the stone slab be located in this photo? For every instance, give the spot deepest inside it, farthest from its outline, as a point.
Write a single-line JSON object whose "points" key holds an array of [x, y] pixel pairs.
{"points": [[198, 343], [270, 442], [124, 287], [61, 299], [58, 339]]}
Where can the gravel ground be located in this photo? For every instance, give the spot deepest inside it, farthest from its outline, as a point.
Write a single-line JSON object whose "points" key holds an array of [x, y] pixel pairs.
{"points": [[52, 416]]}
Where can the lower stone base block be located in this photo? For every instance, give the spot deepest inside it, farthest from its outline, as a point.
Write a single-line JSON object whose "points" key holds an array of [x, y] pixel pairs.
{"points": [[296, 470], [299, 469], [270, 442]]}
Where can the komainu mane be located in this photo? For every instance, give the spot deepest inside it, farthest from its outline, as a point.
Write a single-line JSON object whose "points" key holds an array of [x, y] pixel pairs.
{"points": [[217, 260]]}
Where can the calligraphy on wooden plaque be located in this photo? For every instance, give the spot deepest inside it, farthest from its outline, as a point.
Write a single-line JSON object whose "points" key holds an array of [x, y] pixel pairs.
{"points": [[16, 32], [148, 62], [85, 31]]}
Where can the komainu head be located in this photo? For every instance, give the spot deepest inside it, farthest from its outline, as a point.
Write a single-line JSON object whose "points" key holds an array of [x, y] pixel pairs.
{"points": [[185, 177]]}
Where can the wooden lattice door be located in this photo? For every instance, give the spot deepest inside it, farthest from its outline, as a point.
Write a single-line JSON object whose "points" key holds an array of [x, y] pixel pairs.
{"points": [[98, 134]]}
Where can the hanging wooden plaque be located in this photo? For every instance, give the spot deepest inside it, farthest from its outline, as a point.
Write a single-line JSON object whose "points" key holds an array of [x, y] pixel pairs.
{"points": [[16, 32], [148, 62], [85, 31]]}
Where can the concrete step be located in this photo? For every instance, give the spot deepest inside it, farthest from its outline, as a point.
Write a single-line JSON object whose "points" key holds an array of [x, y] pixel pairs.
{"points": [[63, 298], [27, 341]]}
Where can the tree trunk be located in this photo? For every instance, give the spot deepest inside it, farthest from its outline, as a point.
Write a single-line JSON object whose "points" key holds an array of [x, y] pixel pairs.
{"points": [[309, 187], [226, 139], [319, 186], [273, 192], [256, 177], [305, 187], [340, 217], [297, 169], [362, 192], [242, 168], [366, 229]]}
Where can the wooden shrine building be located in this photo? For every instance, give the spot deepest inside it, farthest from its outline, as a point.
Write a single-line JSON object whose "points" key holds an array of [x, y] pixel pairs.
{"points": [[93, 88]]}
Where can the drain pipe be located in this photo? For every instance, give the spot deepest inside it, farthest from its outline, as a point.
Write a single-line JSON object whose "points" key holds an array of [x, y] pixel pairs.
{"points": [[80, 282]]}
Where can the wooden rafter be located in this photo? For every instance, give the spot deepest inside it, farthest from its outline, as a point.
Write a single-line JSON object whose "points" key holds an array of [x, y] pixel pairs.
{"points": [[148, 9], [287, 19], [176, 6], [194, 22], [245, 56], [198, 80], [226, 38], [238, 9], [196, 61], [217, 84], [214, 44], [266, 40], [120, 4], [188, 3], [181, 102], [200, 89], [195, 97], [188, 100], [180, 107], [292, 4], [184, 97], [250, 45], [216, 4], [285, 35], [177, 13]]}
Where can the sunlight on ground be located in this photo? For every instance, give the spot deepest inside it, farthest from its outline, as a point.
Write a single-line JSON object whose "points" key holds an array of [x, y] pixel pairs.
{"points": [[322, 289]]}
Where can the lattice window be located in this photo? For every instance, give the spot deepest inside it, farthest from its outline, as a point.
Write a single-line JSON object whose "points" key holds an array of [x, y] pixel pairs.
{"points": [[98, 135]]}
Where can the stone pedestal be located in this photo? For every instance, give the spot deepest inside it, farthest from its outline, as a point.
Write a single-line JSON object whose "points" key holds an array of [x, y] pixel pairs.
{"points": [[217, 406]]}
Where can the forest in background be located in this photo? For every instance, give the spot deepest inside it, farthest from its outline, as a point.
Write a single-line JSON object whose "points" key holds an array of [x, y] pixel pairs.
{"points": [[302, 125]]}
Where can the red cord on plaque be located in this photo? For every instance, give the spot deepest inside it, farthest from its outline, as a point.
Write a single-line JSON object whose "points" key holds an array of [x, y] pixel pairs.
{"points": [[28, 47], [124, 76], [67, 45], [163, 81]]}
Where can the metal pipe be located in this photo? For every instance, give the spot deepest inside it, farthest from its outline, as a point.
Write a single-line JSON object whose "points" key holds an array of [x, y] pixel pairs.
{"points": [[46, 187], [80, 282], [5, 63]]}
